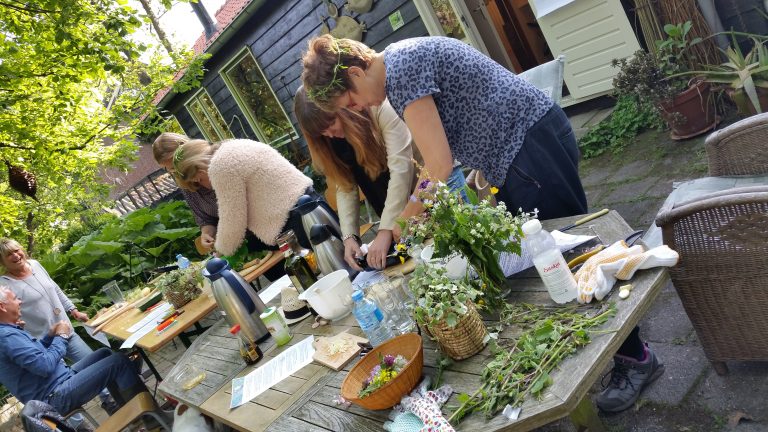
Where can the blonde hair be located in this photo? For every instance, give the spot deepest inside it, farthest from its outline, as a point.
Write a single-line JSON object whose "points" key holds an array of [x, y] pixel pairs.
{"points": [[326, 65], [8, 245], [166, 144], [191, 158], [360, 131]]}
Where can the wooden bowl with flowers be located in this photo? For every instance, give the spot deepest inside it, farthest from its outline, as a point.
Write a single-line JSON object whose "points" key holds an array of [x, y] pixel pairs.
{"points": [[385, 374]]}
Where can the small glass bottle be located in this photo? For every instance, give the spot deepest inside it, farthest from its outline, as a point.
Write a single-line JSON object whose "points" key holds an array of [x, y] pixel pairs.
{"points": [[298, 270], [249, 351]]}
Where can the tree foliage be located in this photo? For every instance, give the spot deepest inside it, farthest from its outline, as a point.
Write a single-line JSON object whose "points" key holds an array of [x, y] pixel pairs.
{"points": [[73, 96]]}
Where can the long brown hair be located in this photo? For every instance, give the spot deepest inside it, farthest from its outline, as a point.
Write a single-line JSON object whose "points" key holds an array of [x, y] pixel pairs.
{"points": [[361, 132]]}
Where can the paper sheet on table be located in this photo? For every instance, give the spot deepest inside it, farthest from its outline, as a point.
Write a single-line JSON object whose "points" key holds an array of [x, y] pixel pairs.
{"points": [[274, 289], [511, 263], [545, 7], [101, 337], [272, 372], [138, 334], [153, 316]]}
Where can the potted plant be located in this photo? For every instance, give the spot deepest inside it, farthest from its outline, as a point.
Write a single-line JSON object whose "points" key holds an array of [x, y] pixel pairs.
{"points": [[180, 286], [475, 229], [446, 309], [744, 77], [660, 81]]}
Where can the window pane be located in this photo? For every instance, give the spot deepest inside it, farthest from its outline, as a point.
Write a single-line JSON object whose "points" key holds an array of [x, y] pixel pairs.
{"points": [[254, 92], [202, 121], [213, 115], [448, 19], [173, 125]]}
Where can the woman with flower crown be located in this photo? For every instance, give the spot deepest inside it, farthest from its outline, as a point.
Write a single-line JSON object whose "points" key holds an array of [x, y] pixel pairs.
{"points": [[458, 104]]}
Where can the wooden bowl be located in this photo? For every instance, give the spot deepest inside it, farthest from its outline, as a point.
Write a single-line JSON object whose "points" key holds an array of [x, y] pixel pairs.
{"points": [[409, 346]]}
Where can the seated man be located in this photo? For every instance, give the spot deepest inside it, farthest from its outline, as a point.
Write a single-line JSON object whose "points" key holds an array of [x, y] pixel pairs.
{"points": [[34, 370]]}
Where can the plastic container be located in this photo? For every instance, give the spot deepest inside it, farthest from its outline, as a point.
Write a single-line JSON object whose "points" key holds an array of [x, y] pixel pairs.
{"points": [[370, 318], [182, 261], [189, 376], [113, 292], [549, 262]]}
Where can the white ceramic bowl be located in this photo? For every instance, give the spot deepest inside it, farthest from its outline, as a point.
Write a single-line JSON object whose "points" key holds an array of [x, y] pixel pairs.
{"points": [[456, 265], [327, 296]]}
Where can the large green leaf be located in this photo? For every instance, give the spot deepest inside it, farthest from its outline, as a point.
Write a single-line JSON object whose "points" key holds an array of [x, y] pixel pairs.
{"points": [[173, 234]]}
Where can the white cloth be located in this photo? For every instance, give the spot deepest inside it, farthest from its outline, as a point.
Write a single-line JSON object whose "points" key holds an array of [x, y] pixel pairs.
{"points": [[596, 277], [399, 147]]}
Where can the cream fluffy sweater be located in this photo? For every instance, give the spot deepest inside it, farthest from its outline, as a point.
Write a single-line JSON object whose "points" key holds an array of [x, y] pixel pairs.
{"points": [[256, 188]]}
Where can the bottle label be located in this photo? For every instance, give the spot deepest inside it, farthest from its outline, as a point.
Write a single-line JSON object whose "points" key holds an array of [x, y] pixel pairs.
{"points": [[378, 314], [556, 276]]}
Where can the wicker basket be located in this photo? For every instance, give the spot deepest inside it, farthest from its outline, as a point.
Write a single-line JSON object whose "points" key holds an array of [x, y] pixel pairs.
{"points": [[180, 298], [387, 396], [464, 340]]}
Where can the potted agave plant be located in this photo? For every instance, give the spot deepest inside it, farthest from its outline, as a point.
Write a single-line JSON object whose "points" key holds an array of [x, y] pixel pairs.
{"points": [[744, 77], [664, 82]]}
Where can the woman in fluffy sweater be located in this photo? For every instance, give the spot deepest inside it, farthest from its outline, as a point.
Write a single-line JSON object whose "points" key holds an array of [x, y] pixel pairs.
{"points": [[255, 185]]}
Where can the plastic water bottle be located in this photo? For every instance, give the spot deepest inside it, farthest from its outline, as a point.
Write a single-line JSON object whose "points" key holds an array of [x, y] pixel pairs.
{"points": [[370, 318], [549, 262], [182, 261]]}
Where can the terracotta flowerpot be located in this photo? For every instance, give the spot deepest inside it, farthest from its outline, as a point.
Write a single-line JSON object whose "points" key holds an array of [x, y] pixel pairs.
{"points": [[740, 98], [690, 113]]}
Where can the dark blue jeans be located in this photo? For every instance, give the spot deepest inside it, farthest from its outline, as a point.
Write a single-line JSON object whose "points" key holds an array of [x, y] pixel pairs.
{"points": [[545, 173], [90, 376]]}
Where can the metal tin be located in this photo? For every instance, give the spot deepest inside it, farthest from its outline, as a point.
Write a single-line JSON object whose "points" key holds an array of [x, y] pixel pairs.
{"points": [[276, 325]]}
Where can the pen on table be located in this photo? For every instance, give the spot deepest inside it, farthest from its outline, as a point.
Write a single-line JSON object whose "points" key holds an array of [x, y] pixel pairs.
{"points": [[170, 320], [163, 327], [170, 315]]}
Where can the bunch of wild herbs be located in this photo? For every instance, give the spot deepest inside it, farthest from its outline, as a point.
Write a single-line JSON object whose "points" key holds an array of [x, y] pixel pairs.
{"points": [[439, 297], [524, 366], [475, 229]]}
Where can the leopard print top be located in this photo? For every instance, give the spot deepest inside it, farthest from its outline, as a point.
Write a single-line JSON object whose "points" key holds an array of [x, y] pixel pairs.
{"points": [[486, 110]]}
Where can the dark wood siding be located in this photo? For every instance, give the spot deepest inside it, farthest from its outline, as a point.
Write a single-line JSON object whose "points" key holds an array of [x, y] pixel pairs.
{"points": [[277, 35]]}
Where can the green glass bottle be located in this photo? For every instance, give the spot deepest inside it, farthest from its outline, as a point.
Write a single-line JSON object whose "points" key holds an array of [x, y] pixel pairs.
{"points": [[298, 270]]}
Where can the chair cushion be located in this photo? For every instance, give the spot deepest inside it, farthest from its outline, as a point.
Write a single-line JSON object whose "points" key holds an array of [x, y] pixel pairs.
{"points": [[548, 77]]}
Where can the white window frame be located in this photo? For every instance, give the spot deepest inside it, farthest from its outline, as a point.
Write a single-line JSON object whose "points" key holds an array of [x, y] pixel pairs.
{"points": [[432, 23], [223, 134], [249, 117]]}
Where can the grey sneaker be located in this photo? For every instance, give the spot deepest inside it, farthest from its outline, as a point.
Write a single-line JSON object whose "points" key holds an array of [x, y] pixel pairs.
{"points": [[628, 378]]}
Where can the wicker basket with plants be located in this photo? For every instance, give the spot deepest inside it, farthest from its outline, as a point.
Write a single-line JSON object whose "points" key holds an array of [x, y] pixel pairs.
{"points": [[181, 286], [446, 309]]}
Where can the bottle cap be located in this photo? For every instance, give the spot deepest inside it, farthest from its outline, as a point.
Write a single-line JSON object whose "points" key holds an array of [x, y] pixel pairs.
{"points": [[235, 329], [531, 227], [357, 295]]}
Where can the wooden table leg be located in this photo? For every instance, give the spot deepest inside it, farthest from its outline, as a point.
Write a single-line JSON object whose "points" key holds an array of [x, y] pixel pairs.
{"points": [[584, 416]]}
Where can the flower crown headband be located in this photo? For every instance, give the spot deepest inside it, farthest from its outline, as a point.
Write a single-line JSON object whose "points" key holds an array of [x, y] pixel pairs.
{"points": [[322, 93]]}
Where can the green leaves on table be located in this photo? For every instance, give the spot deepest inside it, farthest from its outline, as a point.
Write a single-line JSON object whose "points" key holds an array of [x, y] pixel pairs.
{"points": [[523, 367]]}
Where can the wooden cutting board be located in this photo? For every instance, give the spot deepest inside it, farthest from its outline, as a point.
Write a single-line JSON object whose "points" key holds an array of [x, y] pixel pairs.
{"points": [[338, 360]]}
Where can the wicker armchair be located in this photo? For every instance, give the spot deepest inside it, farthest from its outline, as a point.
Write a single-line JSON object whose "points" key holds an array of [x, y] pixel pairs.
{"points": [[722, 276], [739, 149]]}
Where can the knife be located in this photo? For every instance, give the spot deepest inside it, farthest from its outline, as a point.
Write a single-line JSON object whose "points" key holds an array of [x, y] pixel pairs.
{"points": [[584, 220]]}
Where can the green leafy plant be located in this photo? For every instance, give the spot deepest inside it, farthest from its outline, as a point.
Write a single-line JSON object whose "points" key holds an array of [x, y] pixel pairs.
{"points": [[123, 249], [612, 134], [674, 56], [441, 298], [182, 283], [475, 229], [523, 367]]}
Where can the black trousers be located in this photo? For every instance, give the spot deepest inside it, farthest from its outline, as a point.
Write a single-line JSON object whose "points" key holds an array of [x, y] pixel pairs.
{"points": [[545, 173]]}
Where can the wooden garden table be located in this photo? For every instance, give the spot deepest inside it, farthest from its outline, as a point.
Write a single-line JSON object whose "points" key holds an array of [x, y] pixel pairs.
{"points": [[304, 401]]}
